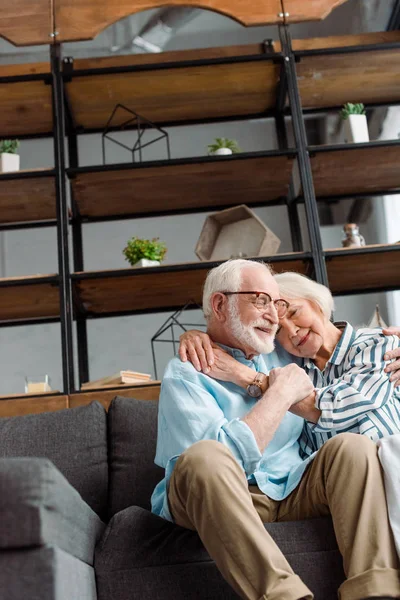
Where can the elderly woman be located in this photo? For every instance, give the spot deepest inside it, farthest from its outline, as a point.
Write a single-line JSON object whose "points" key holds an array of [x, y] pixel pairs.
{"points": [[353, 392]]}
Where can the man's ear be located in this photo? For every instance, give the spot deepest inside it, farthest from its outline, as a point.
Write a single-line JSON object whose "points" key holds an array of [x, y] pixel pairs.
{"points": [[219, 305]]}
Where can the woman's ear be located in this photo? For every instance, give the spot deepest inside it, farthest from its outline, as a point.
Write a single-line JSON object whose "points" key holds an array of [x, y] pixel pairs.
{"points": [[219, 305]]}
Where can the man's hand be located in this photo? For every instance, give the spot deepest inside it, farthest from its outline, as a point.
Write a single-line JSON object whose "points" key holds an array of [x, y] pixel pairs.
{"points": [[394, 367], [292, 382], [306, 409], [197, 347]]}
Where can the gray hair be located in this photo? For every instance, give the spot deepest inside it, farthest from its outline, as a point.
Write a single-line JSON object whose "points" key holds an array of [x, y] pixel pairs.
{"points": [[227, 277], [294, 285]]}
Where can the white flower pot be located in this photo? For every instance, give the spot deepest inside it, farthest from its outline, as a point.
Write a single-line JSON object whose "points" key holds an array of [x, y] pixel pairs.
{"points": [[223, 152], [146, 262], [9, 162], [355, 129]]}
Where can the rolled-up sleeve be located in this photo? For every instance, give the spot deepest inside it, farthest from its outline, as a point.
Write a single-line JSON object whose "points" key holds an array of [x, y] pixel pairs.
{"points": [[189, 413]]}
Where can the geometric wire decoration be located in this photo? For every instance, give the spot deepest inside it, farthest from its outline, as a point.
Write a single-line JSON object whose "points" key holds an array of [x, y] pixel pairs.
{"points": [[142, 125], [173, 327]]}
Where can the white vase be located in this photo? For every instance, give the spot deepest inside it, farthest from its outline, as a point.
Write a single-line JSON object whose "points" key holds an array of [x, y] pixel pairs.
{"points": [[9, 162], [146, 262], [223, 152], [355, 129]]}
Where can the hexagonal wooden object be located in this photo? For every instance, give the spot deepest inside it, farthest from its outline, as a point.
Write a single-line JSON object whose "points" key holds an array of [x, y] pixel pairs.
{"points": [[235, 233]]}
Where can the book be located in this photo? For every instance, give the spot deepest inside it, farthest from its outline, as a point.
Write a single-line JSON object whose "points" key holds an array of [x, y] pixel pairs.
{"points": [[120, 378]]}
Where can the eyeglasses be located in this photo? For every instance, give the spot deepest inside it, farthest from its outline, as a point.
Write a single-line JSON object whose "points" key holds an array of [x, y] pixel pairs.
{"points": [[262, 301]]}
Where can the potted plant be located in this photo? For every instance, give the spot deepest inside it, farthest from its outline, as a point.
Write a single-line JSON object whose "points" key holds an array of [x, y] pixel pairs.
{"points": [[144, 253], [9, 157], [355, 125], [223, 146]]}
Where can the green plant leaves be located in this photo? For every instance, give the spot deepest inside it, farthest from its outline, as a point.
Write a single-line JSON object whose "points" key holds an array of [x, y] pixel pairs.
{"points": [[9, 146], [224, 143], [352, 109], [140, 248]]}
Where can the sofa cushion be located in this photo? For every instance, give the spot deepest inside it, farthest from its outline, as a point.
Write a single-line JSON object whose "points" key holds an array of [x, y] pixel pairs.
{"points": [[75, 440], [132, 437], [39, 507], [45, 574], [151, 554]]}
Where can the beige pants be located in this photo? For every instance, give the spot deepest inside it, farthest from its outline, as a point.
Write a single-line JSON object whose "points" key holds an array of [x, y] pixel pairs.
{"points": [[209, 493]]}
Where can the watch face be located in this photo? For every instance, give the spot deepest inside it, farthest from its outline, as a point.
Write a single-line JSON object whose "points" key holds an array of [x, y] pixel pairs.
{"points": [[254, 390]]}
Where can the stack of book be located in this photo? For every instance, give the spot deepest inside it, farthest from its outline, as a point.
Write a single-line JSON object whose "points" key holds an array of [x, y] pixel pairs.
{"points": [[121, 378]]}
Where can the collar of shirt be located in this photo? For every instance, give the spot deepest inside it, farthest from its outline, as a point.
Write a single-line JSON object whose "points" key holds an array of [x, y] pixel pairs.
{"points": [[240, 356], [342, 347]]}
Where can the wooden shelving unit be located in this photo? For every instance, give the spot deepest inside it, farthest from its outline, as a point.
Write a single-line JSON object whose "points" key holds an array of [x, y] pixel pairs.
{"points": [[179, 88], [197, 184]]}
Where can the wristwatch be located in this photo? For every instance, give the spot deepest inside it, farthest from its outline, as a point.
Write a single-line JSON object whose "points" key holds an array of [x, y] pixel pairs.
{"points": [[254, 389]]}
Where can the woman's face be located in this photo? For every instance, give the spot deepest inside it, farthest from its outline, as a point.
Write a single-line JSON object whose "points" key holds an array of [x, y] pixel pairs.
{"points": [[301, 331]]}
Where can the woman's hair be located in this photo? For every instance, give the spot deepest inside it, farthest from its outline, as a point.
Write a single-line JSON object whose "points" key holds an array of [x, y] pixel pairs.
{"points": [[294, 285], [227, 277]]}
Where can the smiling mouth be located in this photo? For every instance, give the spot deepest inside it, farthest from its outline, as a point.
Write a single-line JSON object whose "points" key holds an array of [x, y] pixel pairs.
{"points": [[267, 331], [303, 340]]}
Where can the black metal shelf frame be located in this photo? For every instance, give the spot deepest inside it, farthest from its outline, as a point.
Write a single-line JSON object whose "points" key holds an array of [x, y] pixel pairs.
{"points": [[63, 125]]}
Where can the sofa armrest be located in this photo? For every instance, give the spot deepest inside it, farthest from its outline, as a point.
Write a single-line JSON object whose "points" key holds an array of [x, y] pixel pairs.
{"points": [[39, 507]]}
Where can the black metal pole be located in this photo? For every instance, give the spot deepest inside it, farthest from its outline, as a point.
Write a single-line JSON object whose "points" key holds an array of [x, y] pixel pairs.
{"points": [[291, 204], [303, 157], [62, 221], [81, 323]]}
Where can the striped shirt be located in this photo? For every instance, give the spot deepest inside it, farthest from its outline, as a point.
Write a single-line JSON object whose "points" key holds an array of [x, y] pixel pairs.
{"points": [[353, 392]]}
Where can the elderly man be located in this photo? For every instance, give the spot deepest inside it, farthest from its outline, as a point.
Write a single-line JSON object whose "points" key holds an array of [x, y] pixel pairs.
{"points": [[232, 460]]}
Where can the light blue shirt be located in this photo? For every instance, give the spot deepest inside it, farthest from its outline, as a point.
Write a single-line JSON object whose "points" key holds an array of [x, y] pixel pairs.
{"points": [[354, 394], [195, 407]]}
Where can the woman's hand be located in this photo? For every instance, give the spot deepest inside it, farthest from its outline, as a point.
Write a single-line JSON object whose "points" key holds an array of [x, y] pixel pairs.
{"points": [[394, 367], [227, 368], [197, 347]]}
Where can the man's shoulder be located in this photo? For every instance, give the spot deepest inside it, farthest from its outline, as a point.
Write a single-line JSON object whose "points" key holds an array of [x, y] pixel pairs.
{"points": [[177, 369]]}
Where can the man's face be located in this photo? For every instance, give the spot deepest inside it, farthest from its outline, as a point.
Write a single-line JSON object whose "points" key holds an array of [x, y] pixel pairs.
{"points": [[254, 328]]}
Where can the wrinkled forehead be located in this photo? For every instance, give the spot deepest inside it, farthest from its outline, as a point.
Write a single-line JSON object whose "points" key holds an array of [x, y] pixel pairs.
{"points": [[259, 279]]}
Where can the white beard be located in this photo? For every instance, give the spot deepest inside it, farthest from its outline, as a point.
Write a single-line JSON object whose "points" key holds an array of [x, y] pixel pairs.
{"points": [[245, 334]]}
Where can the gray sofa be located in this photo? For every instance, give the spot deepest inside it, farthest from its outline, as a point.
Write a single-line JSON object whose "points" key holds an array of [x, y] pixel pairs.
{"points": [[75, 489]]}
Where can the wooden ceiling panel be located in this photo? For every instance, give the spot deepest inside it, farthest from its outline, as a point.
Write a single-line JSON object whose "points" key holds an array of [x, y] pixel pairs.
{"points": [[309, 10], [26, 22], [85, 19]]}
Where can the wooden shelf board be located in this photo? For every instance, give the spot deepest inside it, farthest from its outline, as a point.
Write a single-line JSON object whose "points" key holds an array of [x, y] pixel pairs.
{"points": [[30, 297], [157, 288], [25, 106], [371, 77], [356, 169], [27, 198], [374, 267], [175, 94], [220, 182]]}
